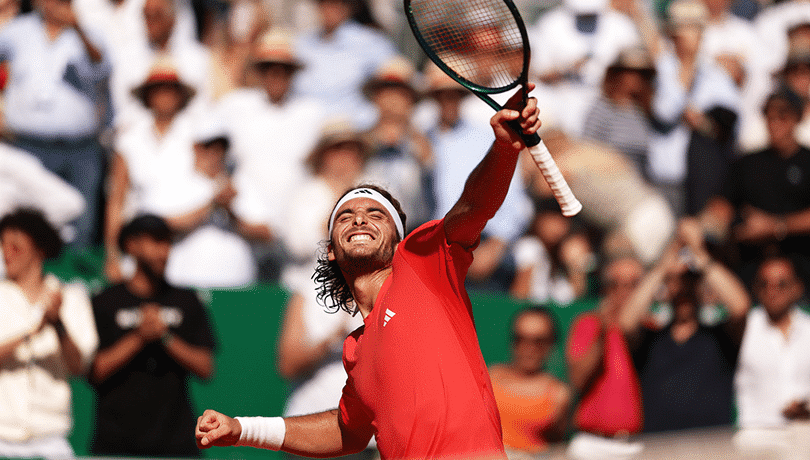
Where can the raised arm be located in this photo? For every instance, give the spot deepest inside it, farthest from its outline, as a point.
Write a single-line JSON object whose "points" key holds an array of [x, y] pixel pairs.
{"points": [[488, 183]]}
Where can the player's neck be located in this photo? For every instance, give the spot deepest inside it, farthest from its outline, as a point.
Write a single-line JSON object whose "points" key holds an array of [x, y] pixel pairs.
{"points": [[366, 287]]}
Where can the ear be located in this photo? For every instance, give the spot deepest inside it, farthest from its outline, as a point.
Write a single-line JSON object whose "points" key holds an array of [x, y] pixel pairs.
{"points": [[330, 253]]}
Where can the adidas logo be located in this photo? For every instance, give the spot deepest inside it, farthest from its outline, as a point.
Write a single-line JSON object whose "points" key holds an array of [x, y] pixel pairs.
{"points": [[388, 315]]}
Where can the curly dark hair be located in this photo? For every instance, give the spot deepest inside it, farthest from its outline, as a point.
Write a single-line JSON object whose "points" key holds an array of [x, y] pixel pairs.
{"points": [[333, 290], [34, 224]]}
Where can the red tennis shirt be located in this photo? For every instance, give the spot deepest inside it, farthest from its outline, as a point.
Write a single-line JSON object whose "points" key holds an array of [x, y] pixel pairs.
{"points": [[415, 369]]}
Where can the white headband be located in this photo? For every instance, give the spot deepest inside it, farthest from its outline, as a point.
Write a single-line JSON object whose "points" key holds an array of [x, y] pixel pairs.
{"points": [[373, 195]]}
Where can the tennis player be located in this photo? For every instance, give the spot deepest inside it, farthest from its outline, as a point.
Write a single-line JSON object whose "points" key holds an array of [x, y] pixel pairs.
{"points": [[416, 376]]}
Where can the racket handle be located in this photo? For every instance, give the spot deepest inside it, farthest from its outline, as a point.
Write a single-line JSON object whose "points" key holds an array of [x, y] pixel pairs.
{"points": [[562, 192]]}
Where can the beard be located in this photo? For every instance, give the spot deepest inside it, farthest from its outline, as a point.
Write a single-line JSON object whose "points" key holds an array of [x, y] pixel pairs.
{"points": [[358, 263]]}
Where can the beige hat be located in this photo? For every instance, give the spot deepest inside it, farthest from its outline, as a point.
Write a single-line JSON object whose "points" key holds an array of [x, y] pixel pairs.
{"points": [[436, 80], [636, 58], [163, 71], [334, 132], [396, 72], [687, 13], [275, 47]]}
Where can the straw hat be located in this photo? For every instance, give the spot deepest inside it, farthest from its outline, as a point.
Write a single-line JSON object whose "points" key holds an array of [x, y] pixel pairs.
{"points": [[163, 72], [437, 81], [275, 47], [335, 132], [687, 13], [396, 72], [635, 58]]}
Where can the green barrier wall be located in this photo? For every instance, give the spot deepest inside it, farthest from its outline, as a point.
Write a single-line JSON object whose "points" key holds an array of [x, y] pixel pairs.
{"points": [[247, 323]]}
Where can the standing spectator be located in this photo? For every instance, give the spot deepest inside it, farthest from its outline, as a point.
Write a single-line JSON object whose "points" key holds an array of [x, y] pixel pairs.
{"points": [[153, 337], [151, 158], [580, 39], [339, 57], [271, 132], [48, 335], [765, 203], [401, 155], [773, 375], [686, 369], [694, 108], [57, 78], [619, 117], [533, 404], [164, 40], [598, 356]]}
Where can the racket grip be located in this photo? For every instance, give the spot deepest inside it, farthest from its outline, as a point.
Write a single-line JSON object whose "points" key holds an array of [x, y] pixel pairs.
{"points": [[569, 204]]}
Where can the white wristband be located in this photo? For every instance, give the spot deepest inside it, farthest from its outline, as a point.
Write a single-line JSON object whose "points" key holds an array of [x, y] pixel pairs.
{"points": [[262, 432]]}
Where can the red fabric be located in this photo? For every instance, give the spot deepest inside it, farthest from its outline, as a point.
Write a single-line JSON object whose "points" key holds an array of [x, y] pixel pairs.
{"points": [[612, 404], [418, 376]]}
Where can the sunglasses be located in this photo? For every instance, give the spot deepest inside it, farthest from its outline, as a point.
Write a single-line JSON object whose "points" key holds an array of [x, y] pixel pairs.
{"points": [[538, 341]]}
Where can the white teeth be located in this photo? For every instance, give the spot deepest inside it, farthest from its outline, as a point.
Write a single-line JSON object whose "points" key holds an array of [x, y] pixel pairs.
{"points": [[360, 236]]}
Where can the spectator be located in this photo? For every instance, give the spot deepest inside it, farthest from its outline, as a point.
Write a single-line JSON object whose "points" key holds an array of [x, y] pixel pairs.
{"points": [[533, 404], [339, 57], [773, 375], [271, 132], [165, 39], [56, 81], [733, 43], [152, 158], [695, 109], [458, 144], [48, 336], [217, 219], [598, 357], [554, 260], [619, 117], [765, 203], [686, 369], [795, 75], [580, 39], [401, 156], [153, 337]]}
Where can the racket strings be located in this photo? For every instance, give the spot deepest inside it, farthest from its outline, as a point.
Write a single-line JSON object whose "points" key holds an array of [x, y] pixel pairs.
{"points": [[479, 40]]}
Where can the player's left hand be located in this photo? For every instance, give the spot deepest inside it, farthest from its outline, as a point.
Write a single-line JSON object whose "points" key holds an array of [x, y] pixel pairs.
{"points": [[527, 116]]}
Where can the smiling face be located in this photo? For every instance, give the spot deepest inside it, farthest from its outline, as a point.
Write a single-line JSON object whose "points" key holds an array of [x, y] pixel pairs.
{"points": [[364, 236]]}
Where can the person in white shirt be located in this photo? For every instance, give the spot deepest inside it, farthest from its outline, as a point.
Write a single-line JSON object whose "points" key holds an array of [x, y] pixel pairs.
{"points": [[48, 335], [773, 374], [56, 79]]}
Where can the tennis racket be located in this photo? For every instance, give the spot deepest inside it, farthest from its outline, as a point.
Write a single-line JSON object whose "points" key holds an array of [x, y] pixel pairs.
{"points": [[483, 45]]}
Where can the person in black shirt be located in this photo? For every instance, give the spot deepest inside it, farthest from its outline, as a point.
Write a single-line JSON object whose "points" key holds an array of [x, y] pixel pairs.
{"points": [[153, 337], [686, 366]]}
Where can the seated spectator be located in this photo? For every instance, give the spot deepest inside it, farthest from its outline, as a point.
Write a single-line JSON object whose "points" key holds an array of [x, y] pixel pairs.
{"points": [[151, 158], [686, 368], [554, 260], [533, 404], [153, 338], [57, 76], [773, 374], [764, 207], [458, 145], [48, 336], [599, 362], [619, 117], [217, 218], [271, 132], [169, 35], [401, 155]]}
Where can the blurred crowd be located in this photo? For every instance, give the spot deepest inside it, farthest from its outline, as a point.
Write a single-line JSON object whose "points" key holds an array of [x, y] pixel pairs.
{"points": [[201, 144]]}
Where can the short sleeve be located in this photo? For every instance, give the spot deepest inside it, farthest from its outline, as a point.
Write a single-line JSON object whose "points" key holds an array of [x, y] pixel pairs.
{"points": [[197, 330], [584, 332], [353, 414]]}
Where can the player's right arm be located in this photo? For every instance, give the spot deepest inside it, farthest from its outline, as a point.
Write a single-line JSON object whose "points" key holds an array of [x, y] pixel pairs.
{"points": [[320, 435]]}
